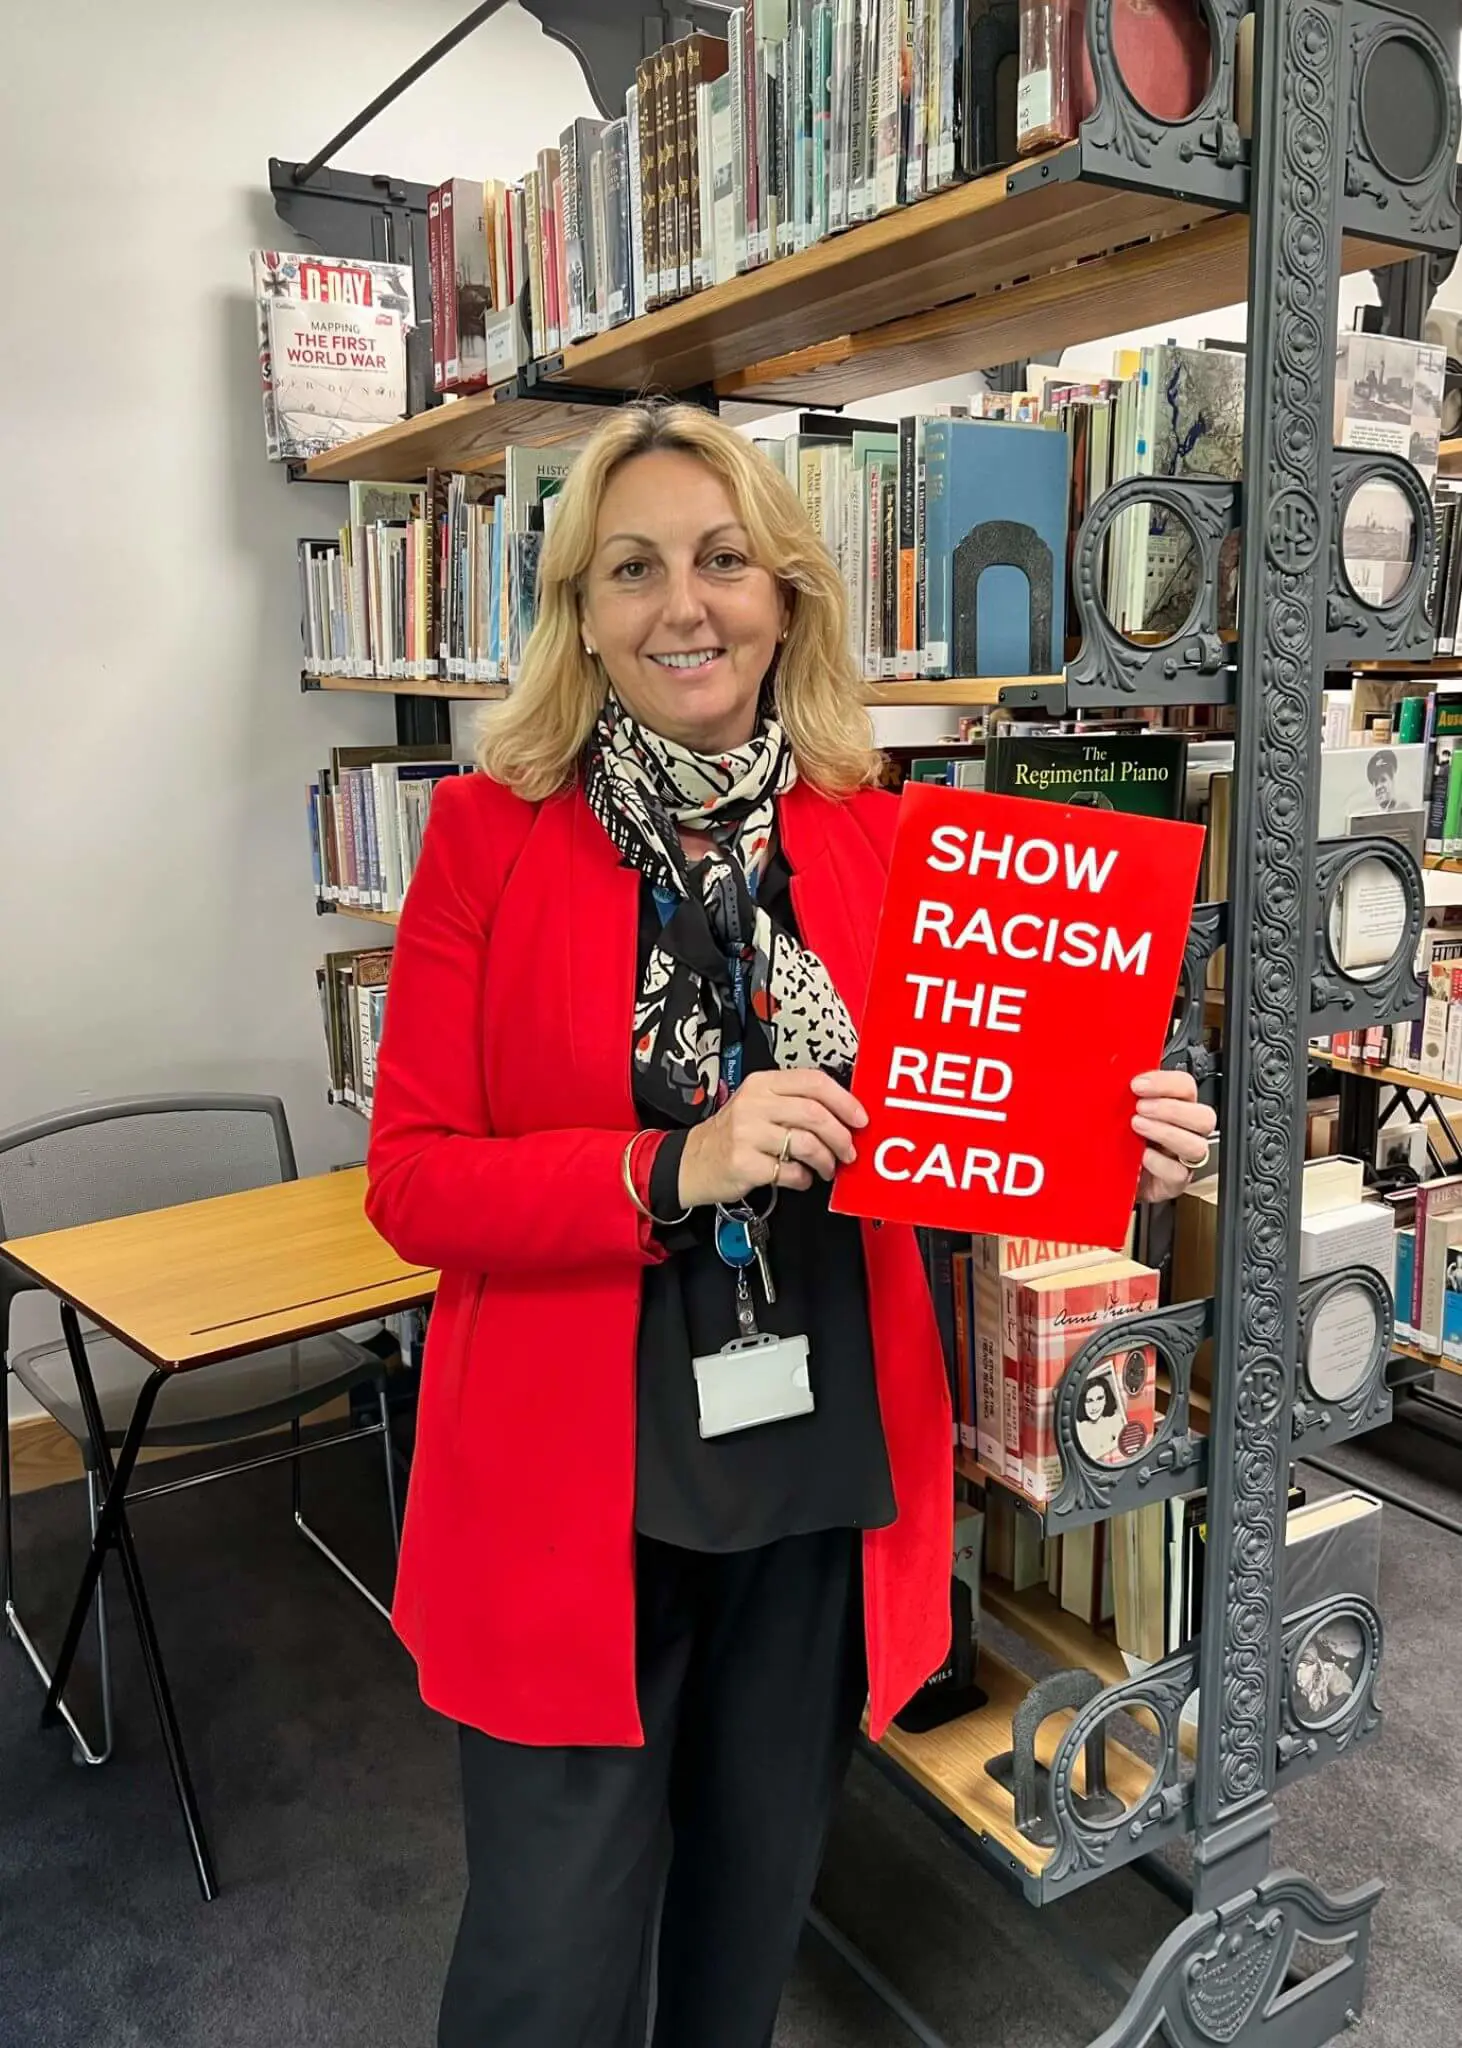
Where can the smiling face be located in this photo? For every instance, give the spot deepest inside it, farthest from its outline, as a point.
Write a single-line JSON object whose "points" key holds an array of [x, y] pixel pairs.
{"points": [[684, 621], [1094, 1401]]}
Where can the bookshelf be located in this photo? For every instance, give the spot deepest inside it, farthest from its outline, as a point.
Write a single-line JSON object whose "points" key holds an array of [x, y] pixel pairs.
{"points": [[1395, 1077], [1007, 266], [951, 1764], [1450, 463], [358, 910], [395, 686], [1138, 223]]}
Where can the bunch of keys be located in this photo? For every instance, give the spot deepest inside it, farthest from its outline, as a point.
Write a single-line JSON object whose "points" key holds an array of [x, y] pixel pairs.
{"points": [[756, 1378], [741, 1241]]}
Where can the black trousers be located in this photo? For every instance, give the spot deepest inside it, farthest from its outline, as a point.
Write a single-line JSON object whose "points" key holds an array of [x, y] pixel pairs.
{"points": [[751, 1680]]}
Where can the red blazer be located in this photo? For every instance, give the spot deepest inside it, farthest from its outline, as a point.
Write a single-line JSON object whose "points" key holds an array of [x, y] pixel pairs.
{"points": [[502, 1110]]}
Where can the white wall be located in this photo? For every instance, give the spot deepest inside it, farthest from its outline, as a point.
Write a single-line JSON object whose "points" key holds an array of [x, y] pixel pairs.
{"points": [[155, 903]]}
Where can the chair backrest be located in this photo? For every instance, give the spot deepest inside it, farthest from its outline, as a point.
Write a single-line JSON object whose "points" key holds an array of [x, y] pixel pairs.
{"points": [[142, 1152]]}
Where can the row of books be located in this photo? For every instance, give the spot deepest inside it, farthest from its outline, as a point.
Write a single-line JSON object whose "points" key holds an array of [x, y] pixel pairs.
{"points": [[1139, 1578], [367, 812], [807, 118], [1014, 1312], [431, 580], [352, 990]]}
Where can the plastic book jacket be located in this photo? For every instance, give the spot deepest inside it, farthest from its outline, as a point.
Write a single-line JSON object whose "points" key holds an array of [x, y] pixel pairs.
{"points": [[1196, 406], [282, 275], [338, 372]]}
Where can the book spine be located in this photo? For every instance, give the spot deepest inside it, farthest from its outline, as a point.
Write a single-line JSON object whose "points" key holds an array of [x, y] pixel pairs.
{"points": [[697, 171], [645, 105], [1452, 822], [752, 138], [907, 478], [597, 256], [1036, 1436], [665, 172], [989, 1372], [736, 41], [452, 367], [684, 234], [821, 73], [886, 158], [936, 547], [635, 172], [438, 291], [1010, 1375], [534, 212], [568, 159]]}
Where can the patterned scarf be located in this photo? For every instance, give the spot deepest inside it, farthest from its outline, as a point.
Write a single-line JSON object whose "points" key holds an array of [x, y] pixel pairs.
{"points": [[641, 788]]}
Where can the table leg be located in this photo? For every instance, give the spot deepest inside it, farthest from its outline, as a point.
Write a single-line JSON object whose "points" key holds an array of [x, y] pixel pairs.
{"points": [[114, 1530]]}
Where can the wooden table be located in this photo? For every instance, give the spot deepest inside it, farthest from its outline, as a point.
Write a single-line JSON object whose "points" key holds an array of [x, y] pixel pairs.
{"points": [[187, 1287]]}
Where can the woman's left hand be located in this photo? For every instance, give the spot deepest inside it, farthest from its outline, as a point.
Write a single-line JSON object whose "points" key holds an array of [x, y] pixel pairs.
{"points": [[1177, 1128]]}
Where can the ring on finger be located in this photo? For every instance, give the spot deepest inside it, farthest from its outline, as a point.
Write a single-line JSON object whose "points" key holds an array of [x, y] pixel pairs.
{"points": [[782, 1158]]}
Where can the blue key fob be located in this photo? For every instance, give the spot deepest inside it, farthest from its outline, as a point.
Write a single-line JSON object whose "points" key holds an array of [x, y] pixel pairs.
{"points": [[733, 1241]]}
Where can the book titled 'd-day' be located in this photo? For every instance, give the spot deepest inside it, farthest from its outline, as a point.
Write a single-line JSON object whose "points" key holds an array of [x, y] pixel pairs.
{"points": [[1024, 971]]}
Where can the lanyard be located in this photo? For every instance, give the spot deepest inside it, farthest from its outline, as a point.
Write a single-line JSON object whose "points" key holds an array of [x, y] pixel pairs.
{"points": [[733, 1057]]}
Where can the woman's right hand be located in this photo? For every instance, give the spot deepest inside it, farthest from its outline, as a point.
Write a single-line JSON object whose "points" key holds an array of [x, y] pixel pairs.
{"points": [[741, 1146]]}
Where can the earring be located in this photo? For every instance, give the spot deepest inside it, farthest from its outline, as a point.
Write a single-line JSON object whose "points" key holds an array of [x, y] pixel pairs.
{"points": [[588, 650]]}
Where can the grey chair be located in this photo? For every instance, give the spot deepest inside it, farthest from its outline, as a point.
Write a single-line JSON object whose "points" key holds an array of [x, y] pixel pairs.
{"points": [[117, 1159]]}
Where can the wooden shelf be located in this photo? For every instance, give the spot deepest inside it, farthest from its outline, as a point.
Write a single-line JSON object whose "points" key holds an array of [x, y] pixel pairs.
{"points": [[1442, 863], [1437, 665], [379, 686], [1450, 462], [955, 690], [464, 433], [976, 275], [1042, 1620], [1397, 1077], [1431, 1358], [949, 1762], [359, 910]]}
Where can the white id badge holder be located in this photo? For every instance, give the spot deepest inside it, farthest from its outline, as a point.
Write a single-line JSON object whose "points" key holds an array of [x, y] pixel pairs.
{"points": [[755, 1379]]}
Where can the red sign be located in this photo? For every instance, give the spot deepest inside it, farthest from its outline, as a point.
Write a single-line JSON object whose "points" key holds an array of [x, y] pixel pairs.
{"points": [[1025, 967]]}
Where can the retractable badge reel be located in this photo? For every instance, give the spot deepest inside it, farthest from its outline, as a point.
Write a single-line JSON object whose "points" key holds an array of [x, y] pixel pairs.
{"points": [[756, 1378]]}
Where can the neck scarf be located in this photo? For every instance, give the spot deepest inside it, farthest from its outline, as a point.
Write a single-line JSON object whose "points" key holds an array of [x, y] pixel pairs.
{"points": [[715, 944]]}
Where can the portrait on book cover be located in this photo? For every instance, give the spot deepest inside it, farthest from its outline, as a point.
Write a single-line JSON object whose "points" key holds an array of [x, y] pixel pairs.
{"points": [[1107, 1429]]}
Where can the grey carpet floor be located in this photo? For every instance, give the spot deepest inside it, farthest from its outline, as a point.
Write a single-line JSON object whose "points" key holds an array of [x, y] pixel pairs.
{"points": [[330, 1793]]}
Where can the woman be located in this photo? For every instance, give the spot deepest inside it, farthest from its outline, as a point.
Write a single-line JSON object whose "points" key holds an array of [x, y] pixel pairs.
{"points": [[624, 1001]]}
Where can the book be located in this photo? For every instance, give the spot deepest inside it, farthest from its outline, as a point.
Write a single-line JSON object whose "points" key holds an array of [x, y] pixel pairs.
{"points": [[1332, 1546], [1140, 771], [1388, 398], [1056, 1313], [993, 1259], [468, 276], [336, 372], [994, 548], [283, 275]]}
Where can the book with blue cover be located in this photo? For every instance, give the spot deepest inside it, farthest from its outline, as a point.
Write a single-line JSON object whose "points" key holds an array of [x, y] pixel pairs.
{"points": [[994, 548]]}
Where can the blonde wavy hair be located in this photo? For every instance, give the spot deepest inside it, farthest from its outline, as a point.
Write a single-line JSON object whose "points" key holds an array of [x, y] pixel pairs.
{"points": [[533, 743]]}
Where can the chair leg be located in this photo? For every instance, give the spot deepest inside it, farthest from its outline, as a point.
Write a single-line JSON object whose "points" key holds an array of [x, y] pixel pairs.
{"points": [[103, 1633], [84, 1751], [319, 1543]]}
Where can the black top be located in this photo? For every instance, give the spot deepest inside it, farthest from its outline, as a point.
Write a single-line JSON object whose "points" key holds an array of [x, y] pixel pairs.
{"points": [[826, 1470]]}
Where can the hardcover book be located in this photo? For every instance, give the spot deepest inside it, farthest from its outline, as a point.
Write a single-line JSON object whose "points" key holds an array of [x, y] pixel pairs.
{"points": [[1189, 422], [282, 275], [336, 371], [1140, 771], [994, 548], [1056, 1314]]}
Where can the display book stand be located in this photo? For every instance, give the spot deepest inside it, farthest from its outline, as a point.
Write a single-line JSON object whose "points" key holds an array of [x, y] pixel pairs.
{"points": [[1355, 133]]}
